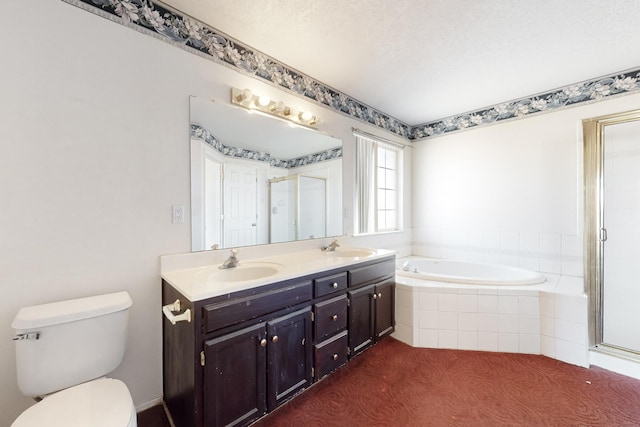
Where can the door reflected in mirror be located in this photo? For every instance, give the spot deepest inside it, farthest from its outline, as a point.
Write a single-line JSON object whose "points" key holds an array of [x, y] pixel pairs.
{"points": [[258, 180]]}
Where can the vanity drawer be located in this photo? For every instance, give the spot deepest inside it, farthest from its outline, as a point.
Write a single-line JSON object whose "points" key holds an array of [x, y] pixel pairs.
{"points": [[219, 315], [330, 284], [330, 317], [371, 273], [330, 355]]}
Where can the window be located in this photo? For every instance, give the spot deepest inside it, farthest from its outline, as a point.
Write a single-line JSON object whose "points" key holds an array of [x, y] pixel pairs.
{"points": [[378, 185]]}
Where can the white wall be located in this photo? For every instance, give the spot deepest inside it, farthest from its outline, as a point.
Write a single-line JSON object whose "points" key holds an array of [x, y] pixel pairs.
{"points": [[94, 151], [512, 194], [509, 193]]}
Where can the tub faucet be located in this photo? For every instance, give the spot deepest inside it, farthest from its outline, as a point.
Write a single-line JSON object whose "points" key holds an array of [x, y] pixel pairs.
{"points": [[232, 261], [406, 266], [331, 247]]}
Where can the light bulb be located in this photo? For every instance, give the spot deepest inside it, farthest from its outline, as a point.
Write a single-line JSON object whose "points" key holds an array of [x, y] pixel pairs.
{"points": [[279, 107], [245, 95], [264, 100], [305, 115]]}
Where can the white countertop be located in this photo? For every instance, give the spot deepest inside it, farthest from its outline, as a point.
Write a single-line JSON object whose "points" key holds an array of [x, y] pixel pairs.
{"points": [[204, 282]]}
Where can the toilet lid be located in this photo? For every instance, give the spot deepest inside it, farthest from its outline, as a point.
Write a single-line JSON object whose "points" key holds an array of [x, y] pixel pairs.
{"points": [[103, 402]]}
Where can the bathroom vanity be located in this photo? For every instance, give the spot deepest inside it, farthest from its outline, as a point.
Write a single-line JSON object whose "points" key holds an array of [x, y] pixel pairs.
{"points": [[252, 344]]}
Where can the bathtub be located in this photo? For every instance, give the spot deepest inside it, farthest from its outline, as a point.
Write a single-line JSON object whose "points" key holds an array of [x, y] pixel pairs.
{"points": [[467, 273], [475, 306]]}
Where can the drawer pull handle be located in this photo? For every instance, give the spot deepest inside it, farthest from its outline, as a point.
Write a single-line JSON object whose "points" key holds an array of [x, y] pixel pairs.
{"points": [[274, 339], [263, 342], [334, 317], [335, 356], [335, 285]]}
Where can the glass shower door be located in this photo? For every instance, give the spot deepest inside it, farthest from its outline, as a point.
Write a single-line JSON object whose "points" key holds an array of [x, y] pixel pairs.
{"points": [[621, 236]]}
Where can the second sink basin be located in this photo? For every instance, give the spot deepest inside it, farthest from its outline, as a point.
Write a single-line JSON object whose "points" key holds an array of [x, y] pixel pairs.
{"points": [[243, 272], [352, 252]]}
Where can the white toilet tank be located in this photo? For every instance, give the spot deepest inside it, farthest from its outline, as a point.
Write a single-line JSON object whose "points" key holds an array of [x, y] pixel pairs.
{"points": [[62, 344]]}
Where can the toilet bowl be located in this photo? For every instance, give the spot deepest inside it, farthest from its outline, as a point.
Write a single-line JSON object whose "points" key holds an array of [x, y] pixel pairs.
{"points": [[64, 350], [103, 402]]}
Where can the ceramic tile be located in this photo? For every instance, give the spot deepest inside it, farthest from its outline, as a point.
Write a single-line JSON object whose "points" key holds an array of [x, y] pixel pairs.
{"points": [[508, 343], [548, 346], [488, 341], [468, 303], [487, 322], [428, 319], [447, 302], [448, 339], [529, 343], [467, 321], [487, 303], [551, 244], [528, 305], [428, 338], [447, 320], [508, 323], [507, 304], [529, 242], [529, 324], [467, 340]]}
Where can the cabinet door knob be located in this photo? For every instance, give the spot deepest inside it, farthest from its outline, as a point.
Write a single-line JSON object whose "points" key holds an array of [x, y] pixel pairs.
{"points": [[380, 295], [334, 317], [263, 342], [335, 285], [274, 339], [335, 356], [375, 296]]}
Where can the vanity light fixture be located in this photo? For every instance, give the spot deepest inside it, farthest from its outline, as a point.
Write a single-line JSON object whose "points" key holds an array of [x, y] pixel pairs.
{"points": [[247, 99]]}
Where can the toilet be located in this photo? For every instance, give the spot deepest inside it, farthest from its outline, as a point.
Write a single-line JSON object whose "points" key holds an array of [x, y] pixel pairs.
{"points": [[63, 352]]}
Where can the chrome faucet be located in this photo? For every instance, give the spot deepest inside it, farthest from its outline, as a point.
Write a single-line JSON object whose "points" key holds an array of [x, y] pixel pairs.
{"points": [[331, 247], [232, 261], [407, 266]]}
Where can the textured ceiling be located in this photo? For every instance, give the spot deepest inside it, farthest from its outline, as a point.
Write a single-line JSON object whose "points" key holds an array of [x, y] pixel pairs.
{"points": [[423, 60]]}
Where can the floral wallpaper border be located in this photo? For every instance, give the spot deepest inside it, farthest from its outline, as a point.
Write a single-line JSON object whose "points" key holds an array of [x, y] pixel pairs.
{"points": [[202, 133], [587, 91], [154, 19]]}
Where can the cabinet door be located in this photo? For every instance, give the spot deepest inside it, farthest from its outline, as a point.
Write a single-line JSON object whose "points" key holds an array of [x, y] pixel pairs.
{"points": [[234, 378], [289, 356], [385, 308], [360, 319]]}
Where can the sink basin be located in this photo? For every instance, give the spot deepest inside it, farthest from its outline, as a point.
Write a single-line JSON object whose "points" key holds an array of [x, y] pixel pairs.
{"points": [[352, 253], [243, 272]]}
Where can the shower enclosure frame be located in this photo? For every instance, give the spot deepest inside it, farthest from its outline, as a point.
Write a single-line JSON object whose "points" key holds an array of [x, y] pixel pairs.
{"points": [[296, 179], [594, 230]]}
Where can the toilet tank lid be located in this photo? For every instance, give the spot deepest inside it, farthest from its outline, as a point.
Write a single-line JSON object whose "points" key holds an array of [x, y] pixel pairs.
{"points": [[38, 316]]}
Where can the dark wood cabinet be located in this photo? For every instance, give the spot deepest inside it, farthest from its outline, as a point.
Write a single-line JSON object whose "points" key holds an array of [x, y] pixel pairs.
{"points": [[255, 369], [385, 303], [235, 383], [330, 333], [361, 316], [289, 355], [245, 353], [371, 314]]}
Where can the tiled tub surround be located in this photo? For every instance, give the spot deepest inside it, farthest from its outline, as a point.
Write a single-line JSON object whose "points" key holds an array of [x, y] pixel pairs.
{"points": [[544, 252], [548, 319]]}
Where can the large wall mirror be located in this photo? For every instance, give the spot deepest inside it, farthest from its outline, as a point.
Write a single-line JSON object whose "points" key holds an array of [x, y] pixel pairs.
{"points": [[257, 180]]}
